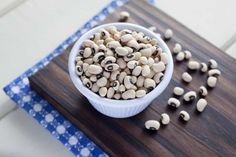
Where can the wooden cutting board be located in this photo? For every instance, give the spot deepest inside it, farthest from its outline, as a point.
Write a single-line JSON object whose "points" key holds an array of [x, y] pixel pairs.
{"points": [[211, 133]]}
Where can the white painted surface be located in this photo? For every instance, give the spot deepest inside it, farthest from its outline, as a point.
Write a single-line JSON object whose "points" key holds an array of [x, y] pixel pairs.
{"points": [[214, 20], [30, 31]]}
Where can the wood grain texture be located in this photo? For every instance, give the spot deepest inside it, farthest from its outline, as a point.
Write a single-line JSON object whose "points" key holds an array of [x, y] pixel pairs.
{"points": [[211, 133]]}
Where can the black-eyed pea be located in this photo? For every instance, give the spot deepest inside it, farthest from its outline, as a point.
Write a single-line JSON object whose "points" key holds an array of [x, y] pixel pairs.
{"points": [[151, 74], [78, 58], [168, 34], [150, 61], [126, 38], [98, 57], [87, 73], [102, 82], [117, 96], [121, 51], [88, 60], [127, 70], [106, 74], [94, 69], [121, 77], [115, 84], [108, 60], [211, 81], [121, 63], [99, 76], [157, 52], [203, 91], [94, 49], [117, 36], [143, 60], [193, 65], [107, 40], [100, 42], [156, 59], [133, 44], [142, 46], [113, 44], [79, 70], [85, 66], [137, 71], [201, 105], [87, 52], [134, 79], [114, 75], [93, 78], [158, 77], [121, 88], [130, 50], [184, 115], [147, 52], [140, 81], [187, 77], [103, 91], [190, 96], [111, 67], [124, 16], [145, 70], [129, 57], [177, 48], [129, 94], [104, 34], [95, 88], [153, 41], [79, 63], [178, 91], [158, 67], [137, 55], [187, 54], [203, 67], [128, 82], [96, 37], [133, 87], [173, 102], [110, 92], [164, 58], [165, 119], [87, 43], [112, 30], [140, 93], [214, 72], [87, 83], [132, 64], [149, 84], [180, 56], [212, 64], [152, 125]]}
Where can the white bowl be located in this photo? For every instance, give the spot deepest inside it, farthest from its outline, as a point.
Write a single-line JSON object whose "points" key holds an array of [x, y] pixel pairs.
{"points": [[120, 108]]}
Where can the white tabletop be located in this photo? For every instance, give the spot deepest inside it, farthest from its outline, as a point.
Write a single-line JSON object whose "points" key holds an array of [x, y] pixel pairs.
{"points": [[30, 29]]}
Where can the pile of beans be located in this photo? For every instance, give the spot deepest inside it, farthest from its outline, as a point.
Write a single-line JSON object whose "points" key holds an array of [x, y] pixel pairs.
{"points": [[120, 64]]}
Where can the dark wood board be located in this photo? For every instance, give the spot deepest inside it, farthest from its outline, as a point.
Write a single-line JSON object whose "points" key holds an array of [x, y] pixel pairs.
{"points": [[211, 133]]}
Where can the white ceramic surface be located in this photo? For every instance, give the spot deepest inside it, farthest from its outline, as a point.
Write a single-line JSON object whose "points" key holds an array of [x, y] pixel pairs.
{"points": [[120, 108]]}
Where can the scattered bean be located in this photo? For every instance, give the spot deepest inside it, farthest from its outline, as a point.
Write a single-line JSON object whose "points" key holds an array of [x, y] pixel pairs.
{"points": [[211, 81], [168, 34], [190, 96], [203, 91], [178, 91], [152, 125], [174, 102], [187, 77], [165, 119], [201, 105], [180, 56], [184, 115]]}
